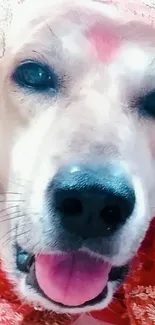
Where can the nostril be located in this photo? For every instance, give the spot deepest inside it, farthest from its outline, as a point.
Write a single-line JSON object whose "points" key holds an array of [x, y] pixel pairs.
{"points": [[71, 207], [111, 216]]}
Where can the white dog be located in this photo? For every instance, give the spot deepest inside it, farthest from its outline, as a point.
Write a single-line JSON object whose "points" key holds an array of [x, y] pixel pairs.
{"points": [[80, 88]]}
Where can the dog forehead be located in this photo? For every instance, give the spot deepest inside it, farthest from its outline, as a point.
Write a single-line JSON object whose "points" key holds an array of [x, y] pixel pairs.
{"points": [[104, 42]]}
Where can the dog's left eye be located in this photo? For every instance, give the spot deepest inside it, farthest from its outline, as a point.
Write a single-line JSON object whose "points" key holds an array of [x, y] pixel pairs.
{"points": [[35, 75], [147, 105]]}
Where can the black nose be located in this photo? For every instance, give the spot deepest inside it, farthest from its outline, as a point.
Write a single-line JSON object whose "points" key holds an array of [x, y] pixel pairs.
{"points": [[92, 201]]}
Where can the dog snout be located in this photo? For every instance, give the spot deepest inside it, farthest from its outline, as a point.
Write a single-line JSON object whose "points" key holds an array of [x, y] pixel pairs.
{"points": [[90, 200]]}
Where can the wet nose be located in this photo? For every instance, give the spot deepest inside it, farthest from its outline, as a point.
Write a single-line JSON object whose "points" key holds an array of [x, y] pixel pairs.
{"points": [[92, 200]]}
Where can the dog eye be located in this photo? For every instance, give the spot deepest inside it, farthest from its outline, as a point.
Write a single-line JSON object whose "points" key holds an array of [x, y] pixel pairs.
{"points": [[36, 76], [147, 105]]}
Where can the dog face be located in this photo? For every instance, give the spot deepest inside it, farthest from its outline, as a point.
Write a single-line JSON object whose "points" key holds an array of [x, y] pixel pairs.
{"points": [[81, 187]]}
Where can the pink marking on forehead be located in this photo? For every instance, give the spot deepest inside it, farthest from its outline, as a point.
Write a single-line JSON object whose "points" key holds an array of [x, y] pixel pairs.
{"points": [[104, 42]]}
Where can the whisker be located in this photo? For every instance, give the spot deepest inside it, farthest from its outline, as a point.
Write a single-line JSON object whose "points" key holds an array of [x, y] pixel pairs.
{"points": [[14, 193], [12, 238], [36, 245], [12, 229], [9, 214], [8, 201], [8, 233], [9, 208], [23, 233], [12, 218]]}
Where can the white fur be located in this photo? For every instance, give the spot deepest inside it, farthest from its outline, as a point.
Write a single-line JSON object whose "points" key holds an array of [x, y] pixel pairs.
{"points": [[88, 117]]}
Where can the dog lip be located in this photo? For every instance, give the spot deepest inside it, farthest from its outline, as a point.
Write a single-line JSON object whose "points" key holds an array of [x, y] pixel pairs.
{"points": [[118, 273], [24, 260]]}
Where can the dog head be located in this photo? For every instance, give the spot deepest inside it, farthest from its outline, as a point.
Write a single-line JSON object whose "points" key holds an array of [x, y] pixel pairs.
{"points": [[81, 187]]}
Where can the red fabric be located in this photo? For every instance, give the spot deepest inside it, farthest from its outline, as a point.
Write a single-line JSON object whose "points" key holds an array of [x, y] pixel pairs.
{"points": [[116, 313], [15, 312]]}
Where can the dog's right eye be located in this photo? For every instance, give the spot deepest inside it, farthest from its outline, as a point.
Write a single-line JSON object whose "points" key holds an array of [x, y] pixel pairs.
{"points": [[146, 105], [37, 76]]}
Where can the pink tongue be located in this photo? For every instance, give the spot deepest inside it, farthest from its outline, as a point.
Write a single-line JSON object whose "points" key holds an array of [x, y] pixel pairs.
{"points": [[71, 279]]}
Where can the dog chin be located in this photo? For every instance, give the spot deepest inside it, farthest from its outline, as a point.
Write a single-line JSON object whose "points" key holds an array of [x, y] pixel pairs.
{"points": [[39, 302]]}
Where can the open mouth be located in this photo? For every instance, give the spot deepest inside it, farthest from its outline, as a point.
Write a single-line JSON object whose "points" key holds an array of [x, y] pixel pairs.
{"points": [[32, 281], [71, 280]]}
